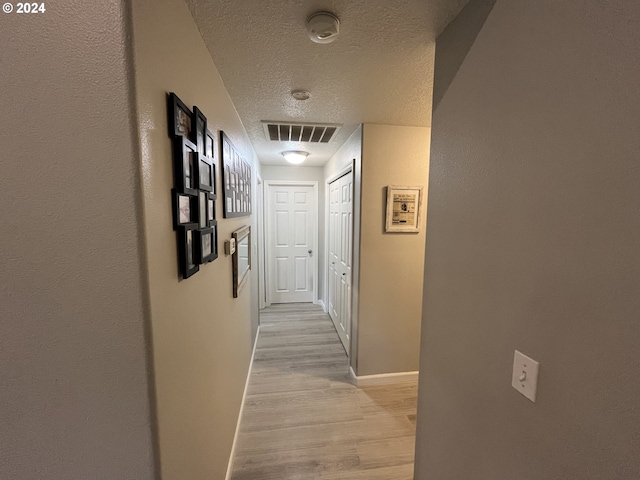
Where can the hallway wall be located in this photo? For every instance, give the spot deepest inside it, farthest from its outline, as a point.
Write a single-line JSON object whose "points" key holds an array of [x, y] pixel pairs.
{"points": [[74, 387], [534, 244], [201, 334], [391, 264]]}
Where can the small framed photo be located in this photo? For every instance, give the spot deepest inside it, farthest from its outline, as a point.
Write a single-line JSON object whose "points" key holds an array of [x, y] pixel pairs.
{"points": [[211, 209], [206, 173], [209, 143], [187, 250], [199, 130], [179, 117], [185, 165], [403, 208], [207, 244], [185, 209], [203, 209]]}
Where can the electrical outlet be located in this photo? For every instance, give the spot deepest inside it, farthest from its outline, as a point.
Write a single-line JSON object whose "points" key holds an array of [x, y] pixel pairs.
{"points": [[525, 375]]}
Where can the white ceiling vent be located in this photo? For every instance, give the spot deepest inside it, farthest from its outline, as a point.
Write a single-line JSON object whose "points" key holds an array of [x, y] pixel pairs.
{"points": [[300, 132]]}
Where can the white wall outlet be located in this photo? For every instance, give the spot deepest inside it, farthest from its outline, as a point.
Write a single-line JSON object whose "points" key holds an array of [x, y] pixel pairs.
{"points": [[525, 375]]}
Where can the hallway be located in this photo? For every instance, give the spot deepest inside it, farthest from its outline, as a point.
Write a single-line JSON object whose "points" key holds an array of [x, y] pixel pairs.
{"points": [[302, 418]]}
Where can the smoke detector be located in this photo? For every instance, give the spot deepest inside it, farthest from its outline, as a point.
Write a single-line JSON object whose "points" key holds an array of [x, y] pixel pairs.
{"points": [[323, 27]]}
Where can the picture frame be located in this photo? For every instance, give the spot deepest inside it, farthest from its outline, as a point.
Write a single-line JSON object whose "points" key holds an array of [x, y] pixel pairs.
{"points": [[404, 208], [206, 173], [180, 117], [185, 166], [187, 251], [210, 142], [241, 258], [199, 130], [207, 244], [185, 209], [236, 180]]}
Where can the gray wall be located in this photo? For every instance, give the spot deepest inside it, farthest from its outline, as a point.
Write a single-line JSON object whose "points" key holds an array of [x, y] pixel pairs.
{"points": [[534, 244], [74, 400]]}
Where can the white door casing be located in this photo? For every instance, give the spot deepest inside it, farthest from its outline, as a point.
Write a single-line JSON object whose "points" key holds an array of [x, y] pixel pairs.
{"points": [[340, 255], [291, 241]]}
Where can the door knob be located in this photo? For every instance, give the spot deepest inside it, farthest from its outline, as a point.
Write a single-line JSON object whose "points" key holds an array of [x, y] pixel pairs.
{"points": [[343, 274], [310, 252]]}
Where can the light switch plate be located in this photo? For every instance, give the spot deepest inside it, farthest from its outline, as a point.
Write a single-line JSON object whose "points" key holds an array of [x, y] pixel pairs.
{"points": [[525, 375]]}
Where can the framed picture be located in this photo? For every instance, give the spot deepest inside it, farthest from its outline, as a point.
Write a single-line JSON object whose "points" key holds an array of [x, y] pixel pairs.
{"points": [[209, 142], [199, 130], [185, 165], [206, 173], [185, 209], [179, 117], [207, 244], [187, 250], [403, 208], [211, 209], [241, 258], [236, 180]]}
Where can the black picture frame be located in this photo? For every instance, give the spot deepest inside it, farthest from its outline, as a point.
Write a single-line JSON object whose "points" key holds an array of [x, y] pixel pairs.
{"points": [[185, 166], [206, 171], [211, 209], [199, 130], [236, 180], [207, 244], [185, 209], [187, 250], [180, 117], [210, 143]]}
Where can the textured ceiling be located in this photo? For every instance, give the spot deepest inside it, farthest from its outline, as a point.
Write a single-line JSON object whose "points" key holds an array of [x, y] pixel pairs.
{"points": [[379, 70]]}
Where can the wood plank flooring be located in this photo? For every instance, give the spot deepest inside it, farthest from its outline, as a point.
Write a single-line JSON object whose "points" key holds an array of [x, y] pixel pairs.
{"points": [[303, 419]]}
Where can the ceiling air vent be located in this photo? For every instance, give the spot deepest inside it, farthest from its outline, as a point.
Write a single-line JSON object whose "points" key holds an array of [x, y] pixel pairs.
{"points": [[300, 132]]}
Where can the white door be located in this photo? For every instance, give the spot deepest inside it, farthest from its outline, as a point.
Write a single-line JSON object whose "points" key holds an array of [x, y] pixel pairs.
{"points": [[291, 240], [340, 255]]}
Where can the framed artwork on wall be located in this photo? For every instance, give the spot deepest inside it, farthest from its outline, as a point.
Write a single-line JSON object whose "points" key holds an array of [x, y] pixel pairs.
{"points": [[206, 173], [206, 243], [187, 250], [199, 130], [403, 208], [209, 144], [185, 209], [179, 117], [185, 164], [236, 180]]}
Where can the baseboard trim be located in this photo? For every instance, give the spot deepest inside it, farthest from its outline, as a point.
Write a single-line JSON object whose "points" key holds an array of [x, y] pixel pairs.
{"points": [[244, 395], [382, 379], [321, 303]]}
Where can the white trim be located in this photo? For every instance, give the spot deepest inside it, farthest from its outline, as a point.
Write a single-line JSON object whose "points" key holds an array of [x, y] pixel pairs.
{"points": [[321, 303], [244, 395], [292, 183], [340, 173], [382, 379]]}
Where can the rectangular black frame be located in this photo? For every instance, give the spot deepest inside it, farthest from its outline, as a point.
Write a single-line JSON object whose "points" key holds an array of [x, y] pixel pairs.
{"points": [[210, 144], [199, 130], [185, 166], [205, 173], [193, 208], [200, 236], [186, 237], [236, 180], [178, 114]]}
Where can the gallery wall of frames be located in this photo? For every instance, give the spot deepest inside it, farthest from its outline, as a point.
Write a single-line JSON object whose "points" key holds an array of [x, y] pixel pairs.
{"points": [[194, 192]]}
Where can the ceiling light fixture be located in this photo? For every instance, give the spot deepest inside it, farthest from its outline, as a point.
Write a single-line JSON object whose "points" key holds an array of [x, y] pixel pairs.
{"points": [[323, 27], [295, 157], [300, 94]]}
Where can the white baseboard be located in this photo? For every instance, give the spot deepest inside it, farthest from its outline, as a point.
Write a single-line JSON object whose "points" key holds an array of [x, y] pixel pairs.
{"points": [[321, 303], [244, 394], [382, 379]]}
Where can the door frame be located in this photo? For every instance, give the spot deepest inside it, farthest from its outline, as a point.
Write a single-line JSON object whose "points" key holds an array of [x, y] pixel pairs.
{"points": [[327, 196], [262, 279], [268, 227]]}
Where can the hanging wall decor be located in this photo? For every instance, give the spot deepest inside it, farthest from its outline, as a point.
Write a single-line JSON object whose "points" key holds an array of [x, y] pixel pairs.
{"points": [[236, 180], [194, 192]]}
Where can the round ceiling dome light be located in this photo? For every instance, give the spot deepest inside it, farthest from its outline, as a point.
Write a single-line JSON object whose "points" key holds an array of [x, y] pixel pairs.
{"points": [[300, 94], [295, 157], [323, 27]]}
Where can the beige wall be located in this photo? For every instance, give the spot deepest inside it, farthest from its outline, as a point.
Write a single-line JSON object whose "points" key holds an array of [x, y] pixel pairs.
{"points": [[533, 244], [391, 264], [201, 334], [74, 401]]}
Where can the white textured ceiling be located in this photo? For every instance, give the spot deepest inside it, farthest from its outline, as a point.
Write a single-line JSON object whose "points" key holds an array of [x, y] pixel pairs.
{"points": [[379, 70]]}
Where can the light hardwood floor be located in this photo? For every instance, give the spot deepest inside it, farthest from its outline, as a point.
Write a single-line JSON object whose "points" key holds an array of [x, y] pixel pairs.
{"points": [[303, 419]]}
